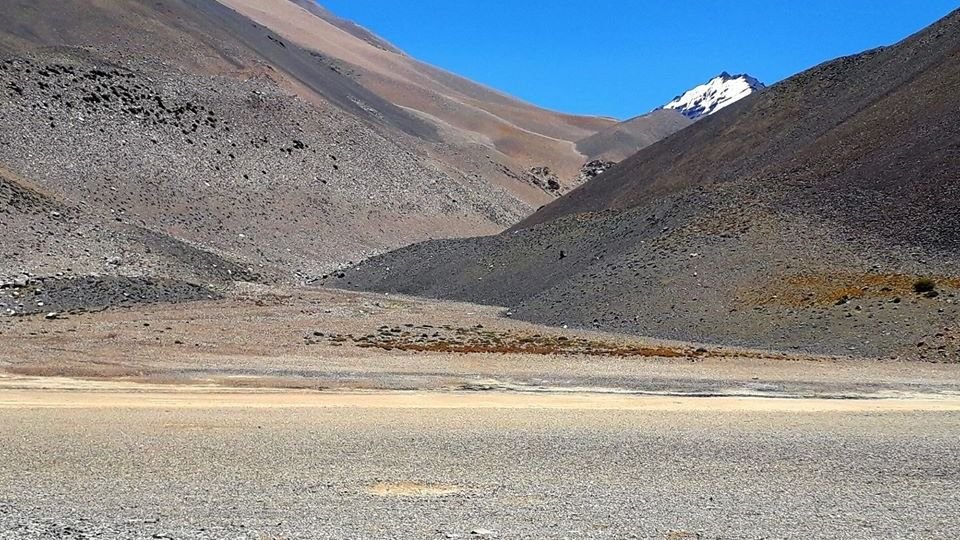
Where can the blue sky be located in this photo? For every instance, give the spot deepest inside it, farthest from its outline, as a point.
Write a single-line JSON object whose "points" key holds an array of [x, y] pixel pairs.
{"points": [[621, 58]]}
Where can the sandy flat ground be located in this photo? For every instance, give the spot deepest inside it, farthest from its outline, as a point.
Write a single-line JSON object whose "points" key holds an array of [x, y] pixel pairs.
{"points": [[406, 465], [62, 394], [231, 419]]}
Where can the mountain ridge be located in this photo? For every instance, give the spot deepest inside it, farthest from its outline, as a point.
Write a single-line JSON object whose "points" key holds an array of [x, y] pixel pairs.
{"points": [[799, 217], [628, 137]]}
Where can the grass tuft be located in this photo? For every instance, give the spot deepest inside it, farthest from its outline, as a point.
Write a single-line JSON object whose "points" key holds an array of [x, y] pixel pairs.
{"points": [[924, 285]]}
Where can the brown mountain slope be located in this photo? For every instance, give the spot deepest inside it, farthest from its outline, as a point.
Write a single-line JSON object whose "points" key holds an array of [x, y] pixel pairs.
{"points": [[187, 120], [347, 26], [521, 133], [801, 217], [625, 139]]}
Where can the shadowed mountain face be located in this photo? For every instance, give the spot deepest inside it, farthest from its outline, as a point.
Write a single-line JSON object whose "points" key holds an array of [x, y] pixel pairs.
{"points": [[799, 217], [190, 121], [622, 140]]}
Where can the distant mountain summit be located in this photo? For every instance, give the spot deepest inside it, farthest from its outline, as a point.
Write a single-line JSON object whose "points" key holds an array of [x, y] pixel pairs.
{"points": [[720, 91], [805, 221], [622, 140]]}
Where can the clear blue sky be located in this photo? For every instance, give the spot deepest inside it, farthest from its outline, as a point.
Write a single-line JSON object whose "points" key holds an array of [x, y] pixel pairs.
{"points": [[624, 57]]}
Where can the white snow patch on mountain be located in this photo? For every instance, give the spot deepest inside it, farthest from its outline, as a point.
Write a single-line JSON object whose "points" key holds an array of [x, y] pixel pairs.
{"points": [[719, 92]]}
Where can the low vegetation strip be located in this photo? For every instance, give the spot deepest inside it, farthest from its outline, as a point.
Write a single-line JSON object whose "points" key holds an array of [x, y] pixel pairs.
{"points": [[817, 289], [477, 339]]}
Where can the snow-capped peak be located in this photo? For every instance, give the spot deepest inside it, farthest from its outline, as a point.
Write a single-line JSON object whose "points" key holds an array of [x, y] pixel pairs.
{"points": [[720, 91]]}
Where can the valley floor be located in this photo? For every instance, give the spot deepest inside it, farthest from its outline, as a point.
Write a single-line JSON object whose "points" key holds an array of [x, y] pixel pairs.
{"points": [[315, 413]]}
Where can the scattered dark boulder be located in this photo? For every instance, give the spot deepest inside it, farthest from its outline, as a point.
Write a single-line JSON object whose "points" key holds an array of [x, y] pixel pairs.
{"points": [[593, 169], [544, 178]]}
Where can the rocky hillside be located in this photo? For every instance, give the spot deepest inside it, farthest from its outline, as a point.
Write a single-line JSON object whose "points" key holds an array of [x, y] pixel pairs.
{"points": [[239, 168], [817, 215], [187, 123], [513, 132]]}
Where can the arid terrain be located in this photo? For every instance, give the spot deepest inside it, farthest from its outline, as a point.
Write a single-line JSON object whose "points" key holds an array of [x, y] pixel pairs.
{"points": [[264, 276], [226, 127], [321, 339], [463, 467], [315, 413], [312, 413]]}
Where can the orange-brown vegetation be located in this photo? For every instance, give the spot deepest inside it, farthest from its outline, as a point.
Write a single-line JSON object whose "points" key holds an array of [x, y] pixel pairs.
{"points": [[804, 290], [477, 340]]}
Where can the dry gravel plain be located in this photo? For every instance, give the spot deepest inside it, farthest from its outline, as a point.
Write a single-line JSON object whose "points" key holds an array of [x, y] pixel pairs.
{"points": [[235, 419]]}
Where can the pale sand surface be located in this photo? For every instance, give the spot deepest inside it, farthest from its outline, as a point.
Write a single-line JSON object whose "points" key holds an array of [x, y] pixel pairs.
{"points": [[69, 394], [185, 464]]}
